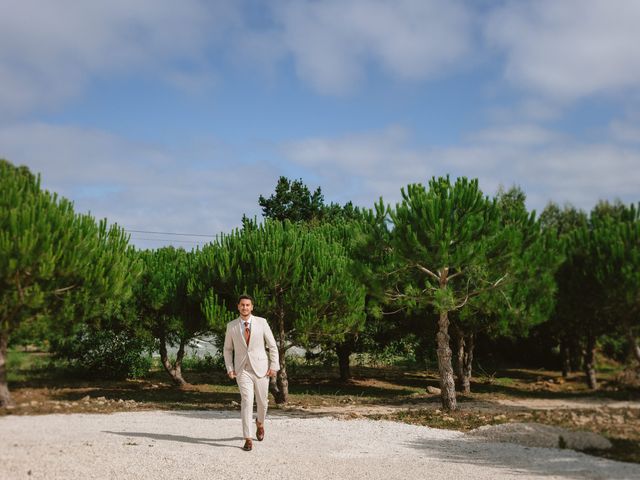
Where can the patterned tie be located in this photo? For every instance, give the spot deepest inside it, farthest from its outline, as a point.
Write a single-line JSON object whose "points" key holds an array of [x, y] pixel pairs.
{"points": [[247, 332]]}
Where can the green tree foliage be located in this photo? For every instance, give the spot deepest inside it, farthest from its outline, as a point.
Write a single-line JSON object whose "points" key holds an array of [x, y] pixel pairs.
{"points": [[618, 270], [54, 263], [598, 282], [450, 243], [351, 236], [583, 293], [105, 353], [560, 224], [605, 256], [293, 201], [366, 236], [526, 296], [169, 302], [300, 282]]}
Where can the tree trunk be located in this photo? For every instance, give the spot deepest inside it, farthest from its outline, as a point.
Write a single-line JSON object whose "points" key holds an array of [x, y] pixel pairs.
{"points": [[279, 386], [343, 350], [565, 354], [174, 371], [447, 384], [178, 365], [467, 361], [590, 362], [464, 359], [633, 344], [5, 395], [459, 339], [575, 354]]}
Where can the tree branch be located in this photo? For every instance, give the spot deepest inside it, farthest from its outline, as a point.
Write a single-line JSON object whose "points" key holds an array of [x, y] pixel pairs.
{"points": [[451, 277], [58, 291], [482, 290], [395, 311], [427, 271]]}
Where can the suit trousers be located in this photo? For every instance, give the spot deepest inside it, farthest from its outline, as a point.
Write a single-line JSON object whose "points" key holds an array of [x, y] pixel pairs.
{"points": [[249, 383]]}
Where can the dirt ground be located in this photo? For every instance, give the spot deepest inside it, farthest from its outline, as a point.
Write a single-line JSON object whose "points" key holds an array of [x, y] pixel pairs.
{"points": [[388, 394]]}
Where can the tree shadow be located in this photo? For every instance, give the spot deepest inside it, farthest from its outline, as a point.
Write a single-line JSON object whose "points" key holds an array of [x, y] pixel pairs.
{"points": [[180, 438], [547, 394], [330, 387], [520, 460], [208, 414], [168, 396]]}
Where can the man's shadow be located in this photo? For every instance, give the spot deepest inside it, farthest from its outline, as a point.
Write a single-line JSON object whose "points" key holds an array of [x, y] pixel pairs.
{"points": [[180, 438]]}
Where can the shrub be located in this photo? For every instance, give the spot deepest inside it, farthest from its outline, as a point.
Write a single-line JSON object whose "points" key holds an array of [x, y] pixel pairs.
{"points": [[206, 364], [105, 354]]}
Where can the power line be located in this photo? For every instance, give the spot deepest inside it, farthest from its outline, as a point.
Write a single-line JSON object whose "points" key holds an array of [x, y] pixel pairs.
{"points": [[166, 240], [173, 233]]}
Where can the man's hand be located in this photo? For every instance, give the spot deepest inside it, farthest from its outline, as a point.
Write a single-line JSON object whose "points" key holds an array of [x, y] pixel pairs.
{"points": [[232, 374], [271, 373]]}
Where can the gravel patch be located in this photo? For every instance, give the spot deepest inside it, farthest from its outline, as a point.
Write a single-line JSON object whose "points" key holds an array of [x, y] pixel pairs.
{"points": [[538, 435], [206, 445]]}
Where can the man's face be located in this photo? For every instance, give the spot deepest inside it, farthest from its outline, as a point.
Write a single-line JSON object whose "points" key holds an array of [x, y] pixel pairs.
{"points": [[245, 307]]}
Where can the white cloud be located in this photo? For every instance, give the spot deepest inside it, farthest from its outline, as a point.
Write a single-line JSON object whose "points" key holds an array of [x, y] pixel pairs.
{"points": [[206, 187], [137, 185], [569, 49], [545, 165], [361, 167], [625, 131], [333, 42], [525, 135], [50, 50]]}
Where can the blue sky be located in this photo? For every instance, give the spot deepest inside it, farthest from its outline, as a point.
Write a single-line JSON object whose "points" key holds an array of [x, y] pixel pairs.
{"points": [[176, 116]]}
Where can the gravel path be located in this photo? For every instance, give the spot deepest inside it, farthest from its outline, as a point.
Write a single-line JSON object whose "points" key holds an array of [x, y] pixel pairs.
{"points": [[206, 445]]}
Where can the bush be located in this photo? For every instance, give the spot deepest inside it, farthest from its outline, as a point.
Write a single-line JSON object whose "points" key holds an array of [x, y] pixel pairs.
{"points": [[615, 347], [207, 364], [105, 354]]}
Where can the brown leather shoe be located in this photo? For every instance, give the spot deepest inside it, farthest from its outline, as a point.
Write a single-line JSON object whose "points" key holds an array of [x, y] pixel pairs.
{"points": [[248, 445], [259, 432]]}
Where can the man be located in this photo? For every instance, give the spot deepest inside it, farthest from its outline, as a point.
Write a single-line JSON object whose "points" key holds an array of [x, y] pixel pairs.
{"points": [[246, 360]]}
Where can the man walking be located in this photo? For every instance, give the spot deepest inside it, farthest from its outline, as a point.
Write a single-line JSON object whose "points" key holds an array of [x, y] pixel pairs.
{"points": [[246, 360]]}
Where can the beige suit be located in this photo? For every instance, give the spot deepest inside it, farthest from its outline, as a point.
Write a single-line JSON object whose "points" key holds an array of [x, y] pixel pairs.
{"points": [[251, 363]]}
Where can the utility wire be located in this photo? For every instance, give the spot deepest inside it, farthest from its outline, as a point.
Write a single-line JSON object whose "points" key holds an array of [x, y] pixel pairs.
{"points": [[166, 240], [173, 233]]}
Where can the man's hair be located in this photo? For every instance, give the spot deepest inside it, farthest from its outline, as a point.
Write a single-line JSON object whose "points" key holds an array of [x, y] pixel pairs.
{"points": [[245, 297]]}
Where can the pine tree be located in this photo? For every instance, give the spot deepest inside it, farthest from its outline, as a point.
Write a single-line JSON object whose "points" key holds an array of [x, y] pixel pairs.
{"points": [[169, 302], [450, 246], [343, 224], [525, 298], [54, 261], [293, 201], [299, 281], [603, 284], [561, 224]]}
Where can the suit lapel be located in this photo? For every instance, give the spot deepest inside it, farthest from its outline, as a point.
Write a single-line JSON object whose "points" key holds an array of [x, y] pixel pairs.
{"points": [[239, 331]]}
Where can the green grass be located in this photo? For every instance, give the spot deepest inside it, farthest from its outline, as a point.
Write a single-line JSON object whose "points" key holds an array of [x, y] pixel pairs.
{"points": [[24, 366], [504, 381]]}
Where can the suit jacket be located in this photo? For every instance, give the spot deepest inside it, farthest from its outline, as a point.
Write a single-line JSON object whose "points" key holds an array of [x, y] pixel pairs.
{"points": [[237, 352]]}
